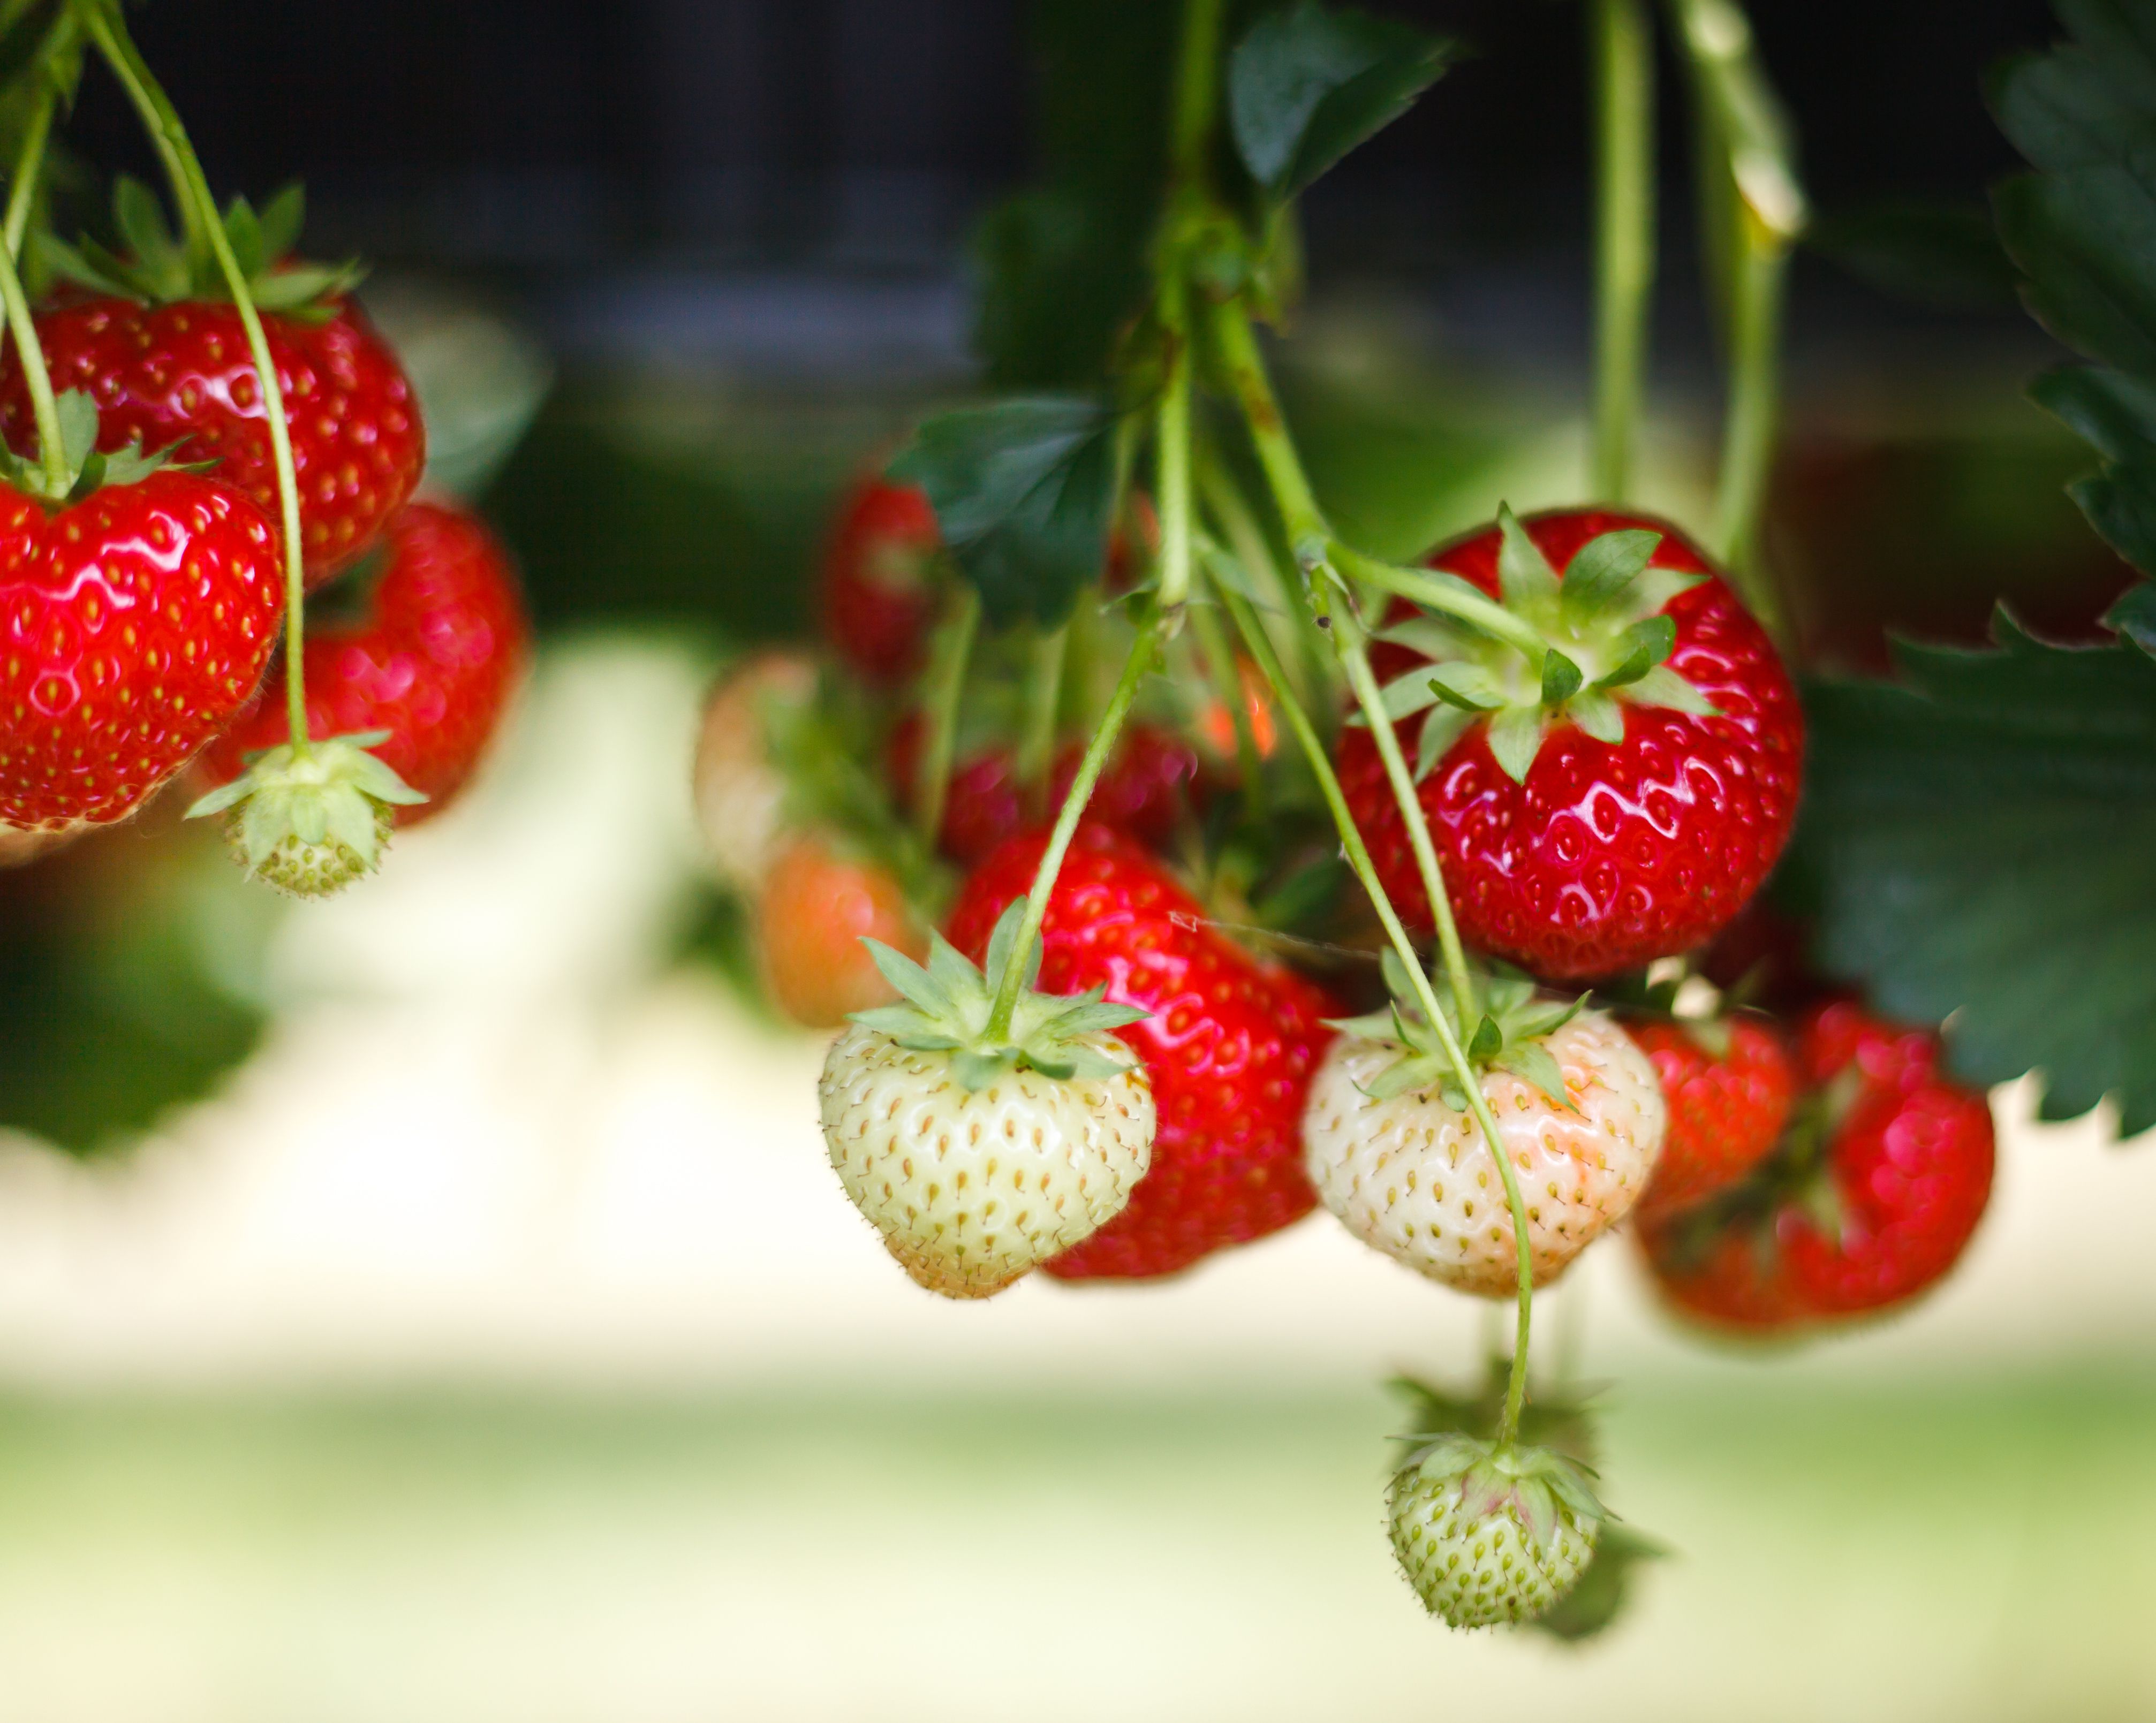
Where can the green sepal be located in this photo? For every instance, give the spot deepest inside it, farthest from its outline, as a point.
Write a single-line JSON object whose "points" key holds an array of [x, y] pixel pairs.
{"points": [[1524, 575], [1561, 678], [945, 1007], [1600, 716], [1516, 738], [1647, 643], [314, 814], [1463, 683], [85, 471], [1444, 726], [1596, 577], [1492, 1476], [1513, 1021], [1662, 686]]}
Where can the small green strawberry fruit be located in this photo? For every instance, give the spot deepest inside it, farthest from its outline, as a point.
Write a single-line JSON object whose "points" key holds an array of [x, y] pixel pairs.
{"points": [[1490, 1533], [976, 1155], [309, 818]]}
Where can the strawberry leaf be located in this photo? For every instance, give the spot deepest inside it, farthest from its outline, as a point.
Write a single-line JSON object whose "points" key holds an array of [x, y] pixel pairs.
{"points": [[2133, 618], [1022, 490], [1306, 84], [1975, 843]]}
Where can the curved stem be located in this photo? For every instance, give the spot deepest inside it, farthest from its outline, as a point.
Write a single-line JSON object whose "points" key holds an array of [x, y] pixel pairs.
{"points": [[163, 121], [1622, 53], [1356, 656], [37, 380], [109, 32], [1761, 266], [942, 686], [1259, 645], [1066, 826], [1453, 597], [1036, 745], [29, 163]]}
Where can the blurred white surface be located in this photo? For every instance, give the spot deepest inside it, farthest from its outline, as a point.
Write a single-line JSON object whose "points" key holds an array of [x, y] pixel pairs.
{"points": [[485, 1139]]}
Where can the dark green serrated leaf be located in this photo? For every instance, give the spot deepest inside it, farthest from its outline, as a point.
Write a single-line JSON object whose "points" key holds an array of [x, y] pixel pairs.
{"points": [[1306, 84], [2117, 415], [1022, 490], [1975, 843], [2086, 241], [2134, 617]]}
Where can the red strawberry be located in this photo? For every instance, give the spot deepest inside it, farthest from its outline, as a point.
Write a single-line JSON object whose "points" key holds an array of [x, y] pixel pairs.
{"points": [[1634, 803], [1911, 1166], [1729, 1086], [1150, 778], [435, 662], [1871, 1198], [878, 599], [817, 906], [181, 374], [1231, 1045], [136, 622]]}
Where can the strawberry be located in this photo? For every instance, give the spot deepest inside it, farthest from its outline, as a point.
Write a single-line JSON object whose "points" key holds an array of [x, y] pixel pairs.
{"points": [[137, 622], [1490, 1533], [162, 351], [740, 794], [1729, 1086], [978, 1156], [1150, 779], [879, 597], [434, 662], [1617, 794], [1397, 1154], [817, 906], [1874, 1193], [1230, 1045]]}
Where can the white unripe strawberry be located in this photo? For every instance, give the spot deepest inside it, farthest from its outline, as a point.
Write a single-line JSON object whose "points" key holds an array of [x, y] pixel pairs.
{"points": [[1396, 1153], [1490, 1533], [740, 791], [979, 1157]]}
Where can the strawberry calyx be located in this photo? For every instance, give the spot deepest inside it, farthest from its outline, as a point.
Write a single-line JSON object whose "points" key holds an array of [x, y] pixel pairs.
{"points": [[1592, 641], [947, 1008], [157, 268], [83, 469], [1513, 1022], [311, 817], [1531, 1482]]}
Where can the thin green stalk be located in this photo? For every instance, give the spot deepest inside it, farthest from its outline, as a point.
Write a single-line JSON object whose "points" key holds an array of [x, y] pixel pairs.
{"points": [[29, 163], [174, 152], [1748, 439], [1310, 670], [37, 380], [1260, 648], [1622, 53], [1172, 454], [1355, 654], [1237, 340], [1036, 745], [193, 188], [942, 688], [1227, 680], [1197, 83], [1451, 596], [1066, 825]]}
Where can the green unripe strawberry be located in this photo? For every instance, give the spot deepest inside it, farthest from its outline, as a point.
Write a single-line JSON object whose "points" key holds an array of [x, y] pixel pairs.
{"points": [[1490, 1533]]}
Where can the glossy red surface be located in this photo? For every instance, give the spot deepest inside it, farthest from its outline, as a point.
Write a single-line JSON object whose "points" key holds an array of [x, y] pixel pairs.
{"points": [[133, 624], [1726, 1113], [182, 374], [1610, 855], [435, 662], [877, 600], [1230, 1047]]}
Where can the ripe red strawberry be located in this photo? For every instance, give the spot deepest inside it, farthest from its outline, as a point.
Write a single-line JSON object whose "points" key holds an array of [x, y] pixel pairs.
{"points": [[133, 624], [435, 661], [1729, 1086], [878, 597], [1644, 776], [1872, 1197], [180, 373], [1231, 1044], [1150, 778]]}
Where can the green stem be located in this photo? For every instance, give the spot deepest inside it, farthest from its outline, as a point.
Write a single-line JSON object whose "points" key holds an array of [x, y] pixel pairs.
{"points": [[1236, 338], [29, 163], [1066, 826], [1355, 654], [1311, 668], [942, 687], [1748, 438], [37, 380], [191, 186], [1172, 454], [1623, 54], [1197, 81], [1451, 595], [1260, 648], [1036, 745], [1227, 680]]}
